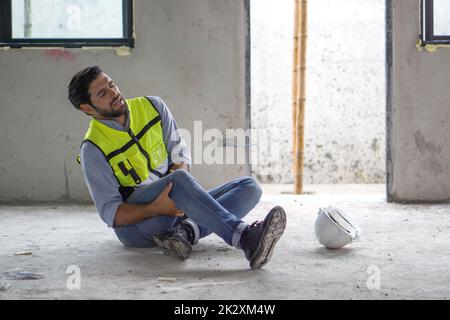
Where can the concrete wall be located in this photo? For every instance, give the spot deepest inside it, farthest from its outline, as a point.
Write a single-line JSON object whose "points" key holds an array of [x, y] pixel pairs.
{"points": [[345, 108], [191, 53], [418, 113]]}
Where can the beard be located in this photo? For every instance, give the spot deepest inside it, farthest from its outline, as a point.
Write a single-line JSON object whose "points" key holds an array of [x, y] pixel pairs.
{"points": [[110, 113]]}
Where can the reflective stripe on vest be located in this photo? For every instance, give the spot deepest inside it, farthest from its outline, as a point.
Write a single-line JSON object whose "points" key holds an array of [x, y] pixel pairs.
{"points": [[132, 154]]}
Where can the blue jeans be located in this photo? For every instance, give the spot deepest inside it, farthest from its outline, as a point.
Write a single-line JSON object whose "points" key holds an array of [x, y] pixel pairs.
{"points": [[218, 211]]}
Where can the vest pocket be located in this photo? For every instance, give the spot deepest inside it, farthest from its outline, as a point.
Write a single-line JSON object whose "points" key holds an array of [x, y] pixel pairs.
{"points": [[158, 154], [127, 171]]}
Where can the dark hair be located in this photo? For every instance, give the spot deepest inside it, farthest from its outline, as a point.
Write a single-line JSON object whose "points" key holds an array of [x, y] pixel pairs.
{"points": [[79, 85]]}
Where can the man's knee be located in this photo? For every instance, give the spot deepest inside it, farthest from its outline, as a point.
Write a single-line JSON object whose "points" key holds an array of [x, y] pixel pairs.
{"points": [[180, 175], [254, 186]]}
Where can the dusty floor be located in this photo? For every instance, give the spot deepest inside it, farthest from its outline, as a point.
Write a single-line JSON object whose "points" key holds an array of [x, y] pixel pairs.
{"points": [[403, 253]]}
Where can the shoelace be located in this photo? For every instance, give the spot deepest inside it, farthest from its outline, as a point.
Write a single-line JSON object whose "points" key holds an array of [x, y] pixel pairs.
{"points": [[182, 232], [256, 224]]}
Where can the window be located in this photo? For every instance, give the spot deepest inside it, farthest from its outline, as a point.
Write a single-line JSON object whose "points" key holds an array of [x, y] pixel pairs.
{"points": [[66, 23], [435, 19]]}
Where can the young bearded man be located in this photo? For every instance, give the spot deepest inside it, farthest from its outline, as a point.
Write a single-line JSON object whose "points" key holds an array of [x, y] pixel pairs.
{"points": [[137, 169]]}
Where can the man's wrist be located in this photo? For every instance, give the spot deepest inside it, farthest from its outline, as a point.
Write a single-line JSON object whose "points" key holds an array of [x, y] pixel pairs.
{"points": [[181, 165], [151, 210]]}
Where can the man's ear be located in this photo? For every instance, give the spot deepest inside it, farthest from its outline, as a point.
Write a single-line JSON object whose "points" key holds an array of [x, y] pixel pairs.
{"points": [[86, 108]]}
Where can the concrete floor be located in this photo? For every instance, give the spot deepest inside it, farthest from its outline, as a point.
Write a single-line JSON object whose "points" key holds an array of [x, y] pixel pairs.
{"points": [[404, 249]]}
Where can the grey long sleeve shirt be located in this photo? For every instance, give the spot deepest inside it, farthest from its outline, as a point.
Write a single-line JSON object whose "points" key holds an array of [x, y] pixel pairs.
{"points": [[99, 177]]}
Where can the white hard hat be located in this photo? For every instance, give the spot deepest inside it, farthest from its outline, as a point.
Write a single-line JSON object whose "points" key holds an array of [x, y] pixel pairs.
{"points": [[333, 229]]}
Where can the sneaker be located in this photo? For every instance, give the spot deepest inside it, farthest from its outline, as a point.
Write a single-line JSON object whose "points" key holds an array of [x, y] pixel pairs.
{"points": [[178, 241], [258, 240], [193, 231]]}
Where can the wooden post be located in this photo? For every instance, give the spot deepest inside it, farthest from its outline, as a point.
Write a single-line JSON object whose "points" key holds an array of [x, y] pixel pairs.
{"points": [[299, 92], [295, 78]]}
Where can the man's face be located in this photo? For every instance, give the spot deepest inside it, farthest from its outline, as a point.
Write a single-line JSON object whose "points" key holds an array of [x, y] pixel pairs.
{"points": [[106, 100]]}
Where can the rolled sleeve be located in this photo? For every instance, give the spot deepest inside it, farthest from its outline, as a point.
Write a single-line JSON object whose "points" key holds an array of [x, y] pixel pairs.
{"points": [[180, 153], [101, 182]]}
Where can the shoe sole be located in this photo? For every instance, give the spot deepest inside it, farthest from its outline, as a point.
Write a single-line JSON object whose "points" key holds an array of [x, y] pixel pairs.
{"points": [[274, 230], [174, 247]]}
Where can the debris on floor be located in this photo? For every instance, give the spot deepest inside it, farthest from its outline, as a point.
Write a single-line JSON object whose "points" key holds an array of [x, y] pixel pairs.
{"points": [[199, 284], [166, 279], [23, 253], [23, 275]]}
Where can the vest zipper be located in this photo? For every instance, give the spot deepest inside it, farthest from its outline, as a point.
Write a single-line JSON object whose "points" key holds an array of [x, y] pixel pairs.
{"points": [[136, 140]]}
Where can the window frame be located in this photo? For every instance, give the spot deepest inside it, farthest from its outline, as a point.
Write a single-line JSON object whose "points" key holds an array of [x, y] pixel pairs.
{"points": [[6, 32], [427, 25]]}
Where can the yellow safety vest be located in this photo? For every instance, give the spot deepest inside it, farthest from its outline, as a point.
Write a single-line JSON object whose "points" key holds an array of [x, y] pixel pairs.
{"points": [[132, 154]]}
